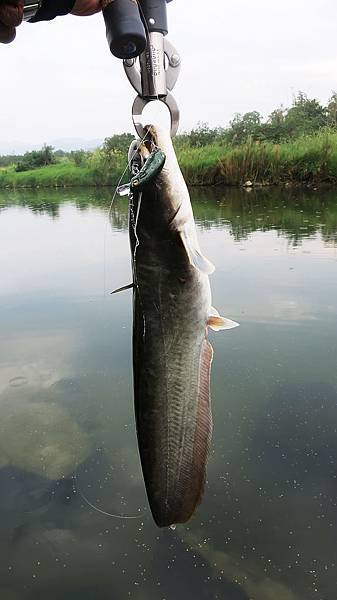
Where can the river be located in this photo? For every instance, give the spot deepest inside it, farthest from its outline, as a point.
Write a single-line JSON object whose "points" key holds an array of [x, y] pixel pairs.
{"points": [[267, 526]]}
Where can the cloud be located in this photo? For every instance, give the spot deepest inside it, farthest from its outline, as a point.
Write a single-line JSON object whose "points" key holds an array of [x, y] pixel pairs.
{"points": [[60, 79]]}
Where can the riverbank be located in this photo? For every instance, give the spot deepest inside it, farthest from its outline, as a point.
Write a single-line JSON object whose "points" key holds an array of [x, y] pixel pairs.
{"points": [[308, 160], [63, 174]]}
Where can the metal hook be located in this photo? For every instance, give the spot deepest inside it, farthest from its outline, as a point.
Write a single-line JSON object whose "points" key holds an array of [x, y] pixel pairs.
{"points": [[139, 105], [154, 82]]}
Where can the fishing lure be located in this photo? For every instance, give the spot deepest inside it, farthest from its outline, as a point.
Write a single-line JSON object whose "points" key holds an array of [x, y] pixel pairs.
{"points": [[151, 168]]}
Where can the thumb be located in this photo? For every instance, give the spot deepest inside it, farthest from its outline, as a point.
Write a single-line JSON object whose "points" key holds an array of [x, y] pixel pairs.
{"points": [[11, 13], [7, 34]]}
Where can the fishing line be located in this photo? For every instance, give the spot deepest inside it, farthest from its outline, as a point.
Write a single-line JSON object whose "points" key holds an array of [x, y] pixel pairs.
{"points": [[130, 158], [127, 167], [128, 164], [77, 489]]}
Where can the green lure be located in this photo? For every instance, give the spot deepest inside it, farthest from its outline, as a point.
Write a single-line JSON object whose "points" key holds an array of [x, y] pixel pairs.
{"points": [[151, 168]]}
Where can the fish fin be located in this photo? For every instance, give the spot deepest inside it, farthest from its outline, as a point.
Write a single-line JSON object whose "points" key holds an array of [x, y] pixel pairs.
{"points": [[123, 288], [219, 323], [177, 500], [191, 483], [204, 425], [198, 260]]}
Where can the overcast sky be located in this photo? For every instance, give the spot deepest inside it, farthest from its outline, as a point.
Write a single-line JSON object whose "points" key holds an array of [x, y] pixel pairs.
{"points": [[59, 79]]}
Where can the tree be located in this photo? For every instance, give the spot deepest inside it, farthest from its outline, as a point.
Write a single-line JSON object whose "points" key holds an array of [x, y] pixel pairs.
{"points": [[36, 158], [275, 129], [9, 159], [47, 155], [117, 144], [245, 126], [331, 111], [305, 116], [79, 157], [203, 135]]}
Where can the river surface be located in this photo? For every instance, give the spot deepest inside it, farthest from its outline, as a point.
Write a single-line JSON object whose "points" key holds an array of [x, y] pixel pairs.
{"points": [[267, 526]]}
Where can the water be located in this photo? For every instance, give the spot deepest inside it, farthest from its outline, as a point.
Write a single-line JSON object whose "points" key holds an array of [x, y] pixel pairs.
{"points": [[267, 527]]}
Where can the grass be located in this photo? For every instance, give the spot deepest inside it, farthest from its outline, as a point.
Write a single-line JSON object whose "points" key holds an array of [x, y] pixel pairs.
{"points": [[64, 174], [306, 160], [309, 160]]}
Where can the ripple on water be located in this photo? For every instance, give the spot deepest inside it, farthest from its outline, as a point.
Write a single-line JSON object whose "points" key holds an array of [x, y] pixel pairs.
{"points": [[18, 381]]}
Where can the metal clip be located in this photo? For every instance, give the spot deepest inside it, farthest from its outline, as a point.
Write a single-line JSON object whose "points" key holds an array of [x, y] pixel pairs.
{"points": [[154, 78], [139, 105], [30, 8]]}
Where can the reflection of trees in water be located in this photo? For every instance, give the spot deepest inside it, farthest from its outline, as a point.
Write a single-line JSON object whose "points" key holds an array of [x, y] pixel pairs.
{"points": [[48, 201], [118, 215], [38, 202], [296, 214]]}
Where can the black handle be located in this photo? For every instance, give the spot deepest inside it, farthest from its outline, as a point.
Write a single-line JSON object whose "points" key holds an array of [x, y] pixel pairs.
{"points": [[154, 14], [124, 29]]}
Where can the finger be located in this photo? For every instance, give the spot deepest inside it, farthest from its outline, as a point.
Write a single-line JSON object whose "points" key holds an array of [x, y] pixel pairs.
{"points": [[83, 8], [7, 34], [11, 15]]}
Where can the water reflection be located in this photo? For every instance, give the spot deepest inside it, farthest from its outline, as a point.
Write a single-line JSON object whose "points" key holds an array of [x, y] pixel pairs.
{"points": [[267, 526], [296, 214]]}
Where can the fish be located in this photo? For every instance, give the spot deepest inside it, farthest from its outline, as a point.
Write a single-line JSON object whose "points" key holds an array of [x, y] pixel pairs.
{"points": [[172, 356]]}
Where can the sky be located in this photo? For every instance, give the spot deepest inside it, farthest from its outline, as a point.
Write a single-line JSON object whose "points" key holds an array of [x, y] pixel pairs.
{"points": [[59, 80]]}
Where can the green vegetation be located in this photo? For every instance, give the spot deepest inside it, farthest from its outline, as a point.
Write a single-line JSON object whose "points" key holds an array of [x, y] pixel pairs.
{"points": [[35, 159], [308, 160], [64, 174], [304, 117], [297, 145]]}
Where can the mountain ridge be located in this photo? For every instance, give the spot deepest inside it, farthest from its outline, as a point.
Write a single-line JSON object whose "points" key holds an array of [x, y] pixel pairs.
{"points": [[66, 144]]}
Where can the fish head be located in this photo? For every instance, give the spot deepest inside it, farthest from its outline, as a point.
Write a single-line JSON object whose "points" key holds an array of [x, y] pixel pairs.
{"points": [[168, 186], [158, 137]]}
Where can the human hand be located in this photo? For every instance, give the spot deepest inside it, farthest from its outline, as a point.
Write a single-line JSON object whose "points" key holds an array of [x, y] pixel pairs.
{"points": [[83, 8], [11, 15]]}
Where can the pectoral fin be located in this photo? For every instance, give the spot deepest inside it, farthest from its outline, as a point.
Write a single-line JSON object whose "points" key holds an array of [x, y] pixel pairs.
{"points": [[122, 289], [197, 260], [219, 323]]}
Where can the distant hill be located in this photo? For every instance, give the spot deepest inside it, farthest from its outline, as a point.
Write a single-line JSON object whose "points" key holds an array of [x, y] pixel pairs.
{"points": [[66, 144]]}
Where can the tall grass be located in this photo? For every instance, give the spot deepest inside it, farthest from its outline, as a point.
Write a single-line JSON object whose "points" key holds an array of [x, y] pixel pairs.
{"points": [[305, 160]]}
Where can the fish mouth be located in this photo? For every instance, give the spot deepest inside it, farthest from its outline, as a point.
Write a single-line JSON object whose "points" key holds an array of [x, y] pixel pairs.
{"points": [[140, 150], [150, 141], [145, 159], [151, 136]]}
